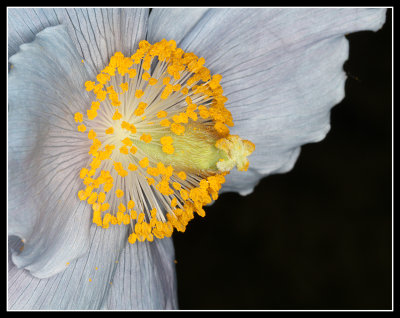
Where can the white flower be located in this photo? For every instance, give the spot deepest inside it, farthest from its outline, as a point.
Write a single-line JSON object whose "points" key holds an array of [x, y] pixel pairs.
{"points": [[281, 72]]}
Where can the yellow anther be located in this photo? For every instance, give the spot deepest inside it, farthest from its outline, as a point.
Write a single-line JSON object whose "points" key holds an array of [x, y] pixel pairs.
{"points": [[125, 124], [140, 218], [97, 88], [132, 167], [140, 109], [131, 204], [121, 207], [78, 117], [97, 218], [115, 102], [124, 150], [127, 142], [83, 173], [106, 220], [146, 62], [101, 95], [174, 202], [82, 128], [139, 93], [168, 149], [176, 87], [144, 162], [165, 123], [132, 73], [87, 181], [153, 171], [88, 190], [221, 128], [132, 129], [162, 114], [122, 173], [126, 220], [109, 70], [150, 181], [117, 115], [153, 81], [108, 187], [185, 91], [92, 198], [176, 185], [91, 172], [95, 105], [95, 163], [165, 140], [89, 85], [166, 80], [114, 220], [103, 78], [118, 166], [203, 112], [182, 175], [163, 187], [166, 92], [181, 118], [124, 87], [101, 197], [177, 128], [82, 195], [110, 130], [132, 238], [119, 193], [184, 194], [91, 134], [133, 150], [146, 76], [146, 138], [153, 212]]}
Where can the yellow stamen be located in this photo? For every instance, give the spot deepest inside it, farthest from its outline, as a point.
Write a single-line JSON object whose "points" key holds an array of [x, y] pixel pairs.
{"points": [[161, 139], [82, 128], [119, 193], [139, 93], [78, 117]]}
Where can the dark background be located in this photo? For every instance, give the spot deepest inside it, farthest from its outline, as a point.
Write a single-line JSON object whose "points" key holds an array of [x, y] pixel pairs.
{"points": [[320, 236]]}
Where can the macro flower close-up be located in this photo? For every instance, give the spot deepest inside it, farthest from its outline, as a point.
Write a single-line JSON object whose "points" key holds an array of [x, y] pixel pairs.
{"points": [[125, 124]]}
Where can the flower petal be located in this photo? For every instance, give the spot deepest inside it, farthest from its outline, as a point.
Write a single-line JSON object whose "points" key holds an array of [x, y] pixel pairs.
{"points": [[145, 277], [46, 88], [282, 73], [96, 32], [25, 23], [141, 276], [172, 23]]}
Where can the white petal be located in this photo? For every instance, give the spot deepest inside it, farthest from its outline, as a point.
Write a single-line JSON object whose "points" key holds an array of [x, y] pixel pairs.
{"points": [[145, 277], [282, 73], [97, 33], [46, 152], [172, 24], [25, 23], [141, 276]]}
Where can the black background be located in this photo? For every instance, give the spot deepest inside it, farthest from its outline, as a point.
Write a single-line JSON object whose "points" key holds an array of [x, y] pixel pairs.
{"points": [[320, 236]]}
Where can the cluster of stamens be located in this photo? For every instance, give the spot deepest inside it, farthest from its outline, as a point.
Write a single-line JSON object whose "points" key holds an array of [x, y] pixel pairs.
{"points": [[160, 142]]}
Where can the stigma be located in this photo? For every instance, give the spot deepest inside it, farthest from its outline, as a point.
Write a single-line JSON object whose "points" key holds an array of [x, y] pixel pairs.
{"points": [[160, 142]]}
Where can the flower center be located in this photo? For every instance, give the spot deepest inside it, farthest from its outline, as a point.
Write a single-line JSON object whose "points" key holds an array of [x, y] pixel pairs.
{"points": [[160, 141]]}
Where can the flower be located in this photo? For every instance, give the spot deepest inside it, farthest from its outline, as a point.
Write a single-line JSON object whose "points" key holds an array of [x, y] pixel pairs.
{"points": [[281, 72]]}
